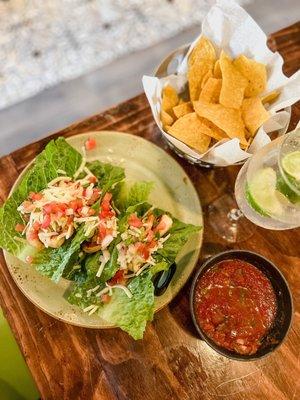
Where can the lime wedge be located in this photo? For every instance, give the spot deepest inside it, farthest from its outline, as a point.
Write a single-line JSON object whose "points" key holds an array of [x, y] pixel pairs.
{"points": [[291, 164], [261, 193], [284, 188]]}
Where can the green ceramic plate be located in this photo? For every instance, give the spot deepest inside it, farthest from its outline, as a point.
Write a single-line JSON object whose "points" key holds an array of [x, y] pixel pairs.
{"points": [[173, 191]]}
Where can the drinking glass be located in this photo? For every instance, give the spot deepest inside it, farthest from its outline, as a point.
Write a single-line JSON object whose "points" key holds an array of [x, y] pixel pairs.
{"points": [[267, 188]]}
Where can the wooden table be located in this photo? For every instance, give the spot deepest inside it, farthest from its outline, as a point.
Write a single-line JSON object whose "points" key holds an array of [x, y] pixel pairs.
{"points": [[171, 362]]}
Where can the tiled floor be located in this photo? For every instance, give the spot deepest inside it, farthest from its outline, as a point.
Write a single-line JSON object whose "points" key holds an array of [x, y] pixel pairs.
{"points": [[61, 105]]}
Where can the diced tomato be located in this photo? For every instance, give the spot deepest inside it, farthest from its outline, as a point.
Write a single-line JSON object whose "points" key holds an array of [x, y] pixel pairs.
{"points": [[51, 208], [58, 215], [118, 278], [55, 207], [106, 211], [107, 197], [143, 250], [19, 228], [152, 244], [73, 205], [79, 203], [101, 232], [150, 236], [29, 259], [46, 221], [90, 144], [35, 196], [134, 221], [105, 206], [111, 214], [92, 179], [36, 226], [47, 208], [145, 253], [105, 298], [62, 207], [106, 214], [32, 235], [76, 204]]}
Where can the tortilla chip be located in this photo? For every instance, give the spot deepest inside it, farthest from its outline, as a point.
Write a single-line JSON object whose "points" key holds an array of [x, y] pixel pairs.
{"points": [[183, 109], [254, 114], [166, 118], [227, 119], [211, 90], [200, 66], [206, 78], [270, 97], [188, 130], [204, 49], [248, 135], [196, 73], [169, 98], [233, 83], [255, 72], [210, 129], [217, 70]]}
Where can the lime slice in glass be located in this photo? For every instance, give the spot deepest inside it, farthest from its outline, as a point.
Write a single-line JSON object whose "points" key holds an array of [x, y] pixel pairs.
{"points": [[261, 193], [291, 164], [285, 189]]}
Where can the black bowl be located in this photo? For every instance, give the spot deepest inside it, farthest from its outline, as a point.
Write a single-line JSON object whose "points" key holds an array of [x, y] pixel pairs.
{"points": [[284, 314]]}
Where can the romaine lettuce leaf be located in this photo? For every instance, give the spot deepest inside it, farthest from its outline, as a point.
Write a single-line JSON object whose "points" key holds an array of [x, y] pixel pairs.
{"points": [[52, 262], [129, 196], [161, 265], [77, 294], [179, 235], [92, 265], [138, 193], [58, 154], [75, 271], [107, 174], [131, 314]]}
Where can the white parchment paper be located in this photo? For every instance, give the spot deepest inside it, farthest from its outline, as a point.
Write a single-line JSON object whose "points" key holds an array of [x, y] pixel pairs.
{"points": [[232, 29]]}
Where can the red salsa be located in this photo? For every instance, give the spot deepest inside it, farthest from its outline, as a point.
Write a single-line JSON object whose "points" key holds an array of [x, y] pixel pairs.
{"points": [[235, 305]]}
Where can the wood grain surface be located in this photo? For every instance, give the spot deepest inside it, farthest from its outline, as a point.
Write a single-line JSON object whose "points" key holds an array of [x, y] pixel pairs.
{"points": [[171, 362]]}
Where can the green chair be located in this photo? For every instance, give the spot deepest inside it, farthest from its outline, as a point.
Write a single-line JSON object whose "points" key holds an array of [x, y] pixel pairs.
{"points": [[16, 382]]}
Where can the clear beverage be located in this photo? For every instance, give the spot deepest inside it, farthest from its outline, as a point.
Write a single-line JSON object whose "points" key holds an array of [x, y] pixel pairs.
{"points": [[267, 188]]}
